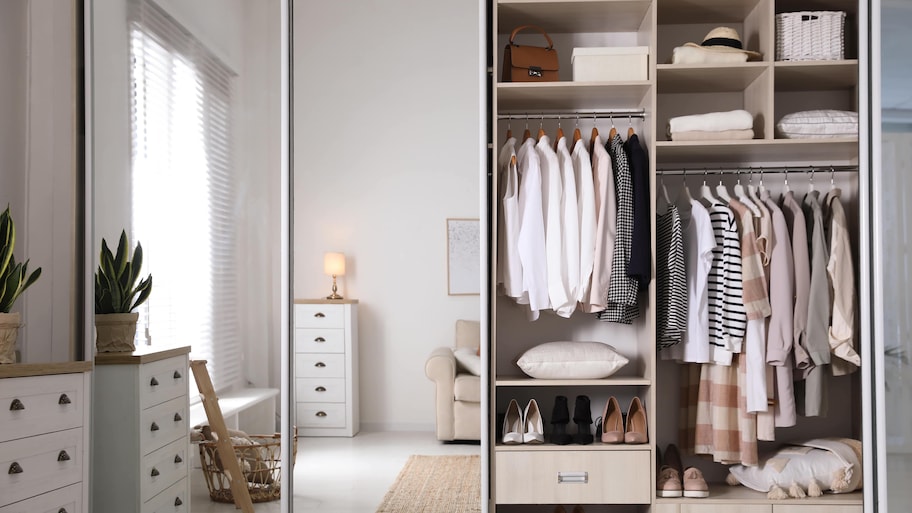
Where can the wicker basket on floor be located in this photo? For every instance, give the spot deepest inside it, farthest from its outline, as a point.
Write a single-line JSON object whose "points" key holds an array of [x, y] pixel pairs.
{"points": [[261, 463]]}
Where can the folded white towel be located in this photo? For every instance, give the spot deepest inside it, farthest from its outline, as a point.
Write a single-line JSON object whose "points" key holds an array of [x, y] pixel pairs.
{"points": [[712, 122]]}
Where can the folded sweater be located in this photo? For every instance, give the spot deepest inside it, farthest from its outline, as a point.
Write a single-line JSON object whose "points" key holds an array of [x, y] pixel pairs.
{"points": [[724, 135], [712, 122]]}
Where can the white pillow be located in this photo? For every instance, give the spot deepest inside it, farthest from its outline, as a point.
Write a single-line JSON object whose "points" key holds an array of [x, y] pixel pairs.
{"points": [[571, 360], [468, 359], [818, 124]]}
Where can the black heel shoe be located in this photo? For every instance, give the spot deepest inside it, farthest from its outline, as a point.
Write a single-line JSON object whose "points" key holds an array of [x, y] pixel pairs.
{"points": [[582, 417], [560, 417]]}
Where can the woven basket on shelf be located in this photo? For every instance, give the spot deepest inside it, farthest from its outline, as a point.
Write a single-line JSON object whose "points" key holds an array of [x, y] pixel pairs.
{"points": [[261, 463], [810, 36]]}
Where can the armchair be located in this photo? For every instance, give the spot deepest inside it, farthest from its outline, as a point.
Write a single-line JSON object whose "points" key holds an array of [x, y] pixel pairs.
{"points": [[458, 397]]}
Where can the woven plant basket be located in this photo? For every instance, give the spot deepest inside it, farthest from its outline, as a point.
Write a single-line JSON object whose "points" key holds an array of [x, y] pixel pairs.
{"points": [[261, 463], [115, 332], [810, 36], [9, 330]]}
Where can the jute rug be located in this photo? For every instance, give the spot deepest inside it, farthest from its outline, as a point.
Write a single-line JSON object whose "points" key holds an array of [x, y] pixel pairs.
{"points": [[436, 484]]}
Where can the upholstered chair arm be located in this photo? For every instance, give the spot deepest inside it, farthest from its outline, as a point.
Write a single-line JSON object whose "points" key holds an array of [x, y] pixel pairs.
{"points": [[441, 369]]}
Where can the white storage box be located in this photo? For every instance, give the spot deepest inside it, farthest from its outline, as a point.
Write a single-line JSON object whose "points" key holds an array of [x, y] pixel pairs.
{"points": [[610, 64]]}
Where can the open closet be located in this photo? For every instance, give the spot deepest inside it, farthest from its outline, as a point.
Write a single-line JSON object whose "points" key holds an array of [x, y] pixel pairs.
{"points": [[600, 476]]}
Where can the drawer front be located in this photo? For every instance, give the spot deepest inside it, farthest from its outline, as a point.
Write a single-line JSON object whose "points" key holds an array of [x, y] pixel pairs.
{"points": [[41, 404], [818, 508], [312, 340], [163, 380], [31, 466], [163, 468], [726, 508], [666, 508], [320, 415], [320, 365], [567, 477], [320, 390], [64, 500], [319, 316], [163, 424], [175, 499]]}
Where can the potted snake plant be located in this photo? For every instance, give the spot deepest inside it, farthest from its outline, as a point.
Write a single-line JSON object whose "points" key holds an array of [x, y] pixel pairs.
{"points": [[14, 279], [118, 291]]}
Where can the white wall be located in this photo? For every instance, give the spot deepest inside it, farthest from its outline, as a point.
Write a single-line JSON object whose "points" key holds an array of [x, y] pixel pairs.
{"points": [[386, 148]]}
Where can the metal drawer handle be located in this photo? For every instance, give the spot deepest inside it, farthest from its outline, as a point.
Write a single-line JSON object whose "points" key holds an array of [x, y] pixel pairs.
{"points": [[155, 472], [178, 459], [178, 501], [319, 339], [16, 405], [319, 315], [154, 427], [177, 417], [63, 456], [15, 468], [154, 382], [177, 375], [321, 414], [320, 389], [64, 399], [62, 510], [573, 477], [319, 365]]}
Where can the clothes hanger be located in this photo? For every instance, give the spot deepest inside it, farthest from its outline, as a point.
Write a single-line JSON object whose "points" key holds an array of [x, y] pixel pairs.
{"points": [[786, 185], [527, 134], [541, 127], [630, 131], [706, 192], [684, 198], [752, 193], [722, 192], [576, 132], [663, 202], [832, 178], [594, 135], [509, 127], [613, 131], [811, 182], [560, 133], [743, 197]]}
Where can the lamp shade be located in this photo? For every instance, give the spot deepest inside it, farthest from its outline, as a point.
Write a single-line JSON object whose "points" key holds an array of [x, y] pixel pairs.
{"points": [[334, 264]]}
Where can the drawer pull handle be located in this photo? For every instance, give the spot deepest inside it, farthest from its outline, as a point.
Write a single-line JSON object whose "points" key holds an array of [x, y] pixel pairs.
{"points": [[320, 389], [319, 315], [177, 375], [177, 417], [178, 459], [319, 339], [154, 382], [319, 365], [178, 501], [155, 472], [63, 456], [154, 427], [15, 468], [321, 414], [573, 477], [62, 510], [64, 399], [16, 405]]}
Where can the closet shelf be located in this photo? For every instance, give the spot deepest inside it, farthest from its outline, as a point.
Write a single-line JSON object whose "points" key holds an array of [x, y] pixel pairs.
{"points": [[595, 446], [816, 75], [723, 493], [571, 95], [523, 381], [704, 11], [575, 16], [770, 151], [685, 78]]}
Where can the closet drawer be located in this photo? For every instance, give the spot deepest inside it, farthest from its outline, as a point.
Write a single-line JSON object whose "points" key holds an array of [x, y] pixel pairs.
{"points": [[320, 390], [162, 380], [64, 500], [162, 468], [320, 415], [818, 508], [573, 476], [40, 404], [176, 499], [319, 341], [31, 466], [320, 365], [319, 316], [163, 424], [726, 508]]}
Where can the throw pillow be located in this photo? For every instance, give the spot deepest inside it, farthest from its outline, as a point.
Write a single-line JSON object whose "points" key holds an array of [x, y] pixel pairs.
{"points": [[818, 124], [571, 360], [468, 360]]}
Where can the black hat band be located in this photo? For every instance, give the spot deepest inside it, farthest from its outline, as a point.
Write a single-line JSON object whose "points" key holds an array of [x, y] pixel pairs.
{"points": [[723, 41]]}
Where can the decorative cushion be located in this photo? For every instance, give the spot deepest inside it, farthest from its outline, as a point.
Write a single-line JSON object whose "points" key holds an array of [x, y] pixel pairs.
{"points": [[468, 360], [815, 466], [818, 124], [571, 360]]}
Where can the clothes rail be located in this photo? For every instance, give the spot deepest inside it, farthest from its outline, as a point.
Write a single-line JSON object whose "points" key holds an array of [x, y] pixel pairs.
{"points": [[698, 171], [582, 114]]}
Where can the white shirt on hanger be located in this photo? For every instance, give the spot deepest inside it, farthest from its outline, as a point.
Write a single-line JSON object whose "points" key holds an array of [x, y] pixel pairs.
{"points": [[554, 239], [509, 265], [606, 228], [585, 197], [531, 242], [570, 229]]}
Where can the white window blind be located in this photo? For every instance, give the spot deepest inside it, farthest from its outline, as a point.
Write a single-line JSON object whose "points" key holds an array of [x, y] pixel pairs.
{"points": [[184, 204]]}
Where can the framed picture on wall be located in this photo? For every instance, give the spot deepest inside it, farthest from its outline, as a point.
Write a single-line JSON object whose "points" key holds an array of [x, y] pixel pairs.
{"points": [[463, 257]]}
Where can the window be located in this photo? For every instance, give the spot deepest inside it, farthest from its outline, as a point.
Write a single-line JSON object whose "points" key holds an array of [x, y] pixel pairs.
{"points": [[182, 192]]}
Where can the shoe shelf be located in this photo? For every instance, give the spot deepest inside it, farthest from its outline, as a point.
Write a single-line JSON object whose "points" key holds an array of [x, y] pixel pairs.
{"points": [[595, 446], [523, 381], [723, 493]]}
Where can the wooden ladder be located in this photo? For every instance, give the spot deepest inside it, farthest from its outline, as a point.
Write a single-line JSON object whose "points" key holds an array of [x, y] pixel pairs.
{"points": [[223, 446]]}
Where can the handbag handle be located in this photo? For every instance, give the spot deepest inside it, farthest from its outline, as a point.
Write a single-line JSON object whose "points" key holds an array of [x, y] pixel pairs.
{"points": [[517, 30]]}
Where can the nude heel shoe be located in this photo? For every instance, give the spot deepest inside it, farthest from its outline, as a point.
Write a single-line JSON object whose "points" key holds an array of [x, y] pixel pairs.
{"points": [[513, 424], [533, 426], [612, 431], [636, 423]]}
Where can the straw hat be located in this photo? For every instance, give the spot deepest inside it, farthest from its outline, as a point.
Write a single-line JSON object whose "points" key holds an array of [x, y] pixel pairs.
{"points": [[724, 39]]}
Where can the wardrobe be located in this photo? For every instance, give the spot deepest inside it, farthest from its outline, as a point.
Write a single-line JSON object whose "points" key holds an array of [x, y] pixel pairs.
{"points": [[601, 477]]}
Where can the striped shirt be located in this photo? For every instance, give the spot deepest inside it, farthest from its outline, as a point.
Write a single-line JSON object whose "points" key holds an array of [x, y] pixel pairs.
{"points": [[671, 287], [727, 317]]}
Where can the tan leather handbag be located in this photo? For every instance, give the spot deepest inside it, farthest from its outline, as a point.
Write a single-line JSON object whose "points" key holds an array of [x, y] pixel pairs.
{"points": [[523, 63]]}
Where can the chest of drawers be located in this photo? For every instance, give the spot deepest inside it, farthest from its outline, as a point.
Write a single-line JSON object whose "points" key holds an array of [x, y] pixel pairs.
{"points": [[326, 367], [44, 437], [141, 445]]}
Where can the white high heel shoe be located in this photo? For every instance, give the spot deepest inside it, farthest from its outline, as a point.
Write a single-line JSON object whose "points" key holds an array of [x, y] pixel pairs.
{"points": [[513, 424], [533, 427]]}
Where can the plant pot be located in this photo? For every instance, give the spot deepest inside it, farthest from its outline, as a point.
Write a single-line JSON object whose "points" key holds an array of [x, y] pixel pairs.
{"points": [[9, 330], [114, 332]]}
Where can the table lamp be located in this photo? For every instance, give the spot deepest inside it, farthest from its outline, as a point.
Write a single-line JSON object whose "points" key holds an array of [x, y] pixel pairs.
{"points": [[334, 265]]}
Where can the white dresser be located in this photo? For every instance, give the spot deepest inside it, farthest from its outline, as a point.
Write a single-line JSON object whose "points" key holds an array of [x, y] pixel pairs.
{"points": [[44, 437], [141, 445], [326, 367]]}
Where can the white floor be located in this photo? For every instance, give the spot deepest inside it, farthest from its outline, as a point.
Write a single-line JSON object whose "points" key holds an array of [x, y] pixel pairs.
{"points": [[348, 475]]}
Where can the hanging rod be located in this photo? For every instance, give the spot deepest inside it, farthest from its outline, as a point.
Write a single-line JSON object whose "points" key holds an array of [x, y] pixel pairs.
{"points": [[581, 114], [743, 170]]}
